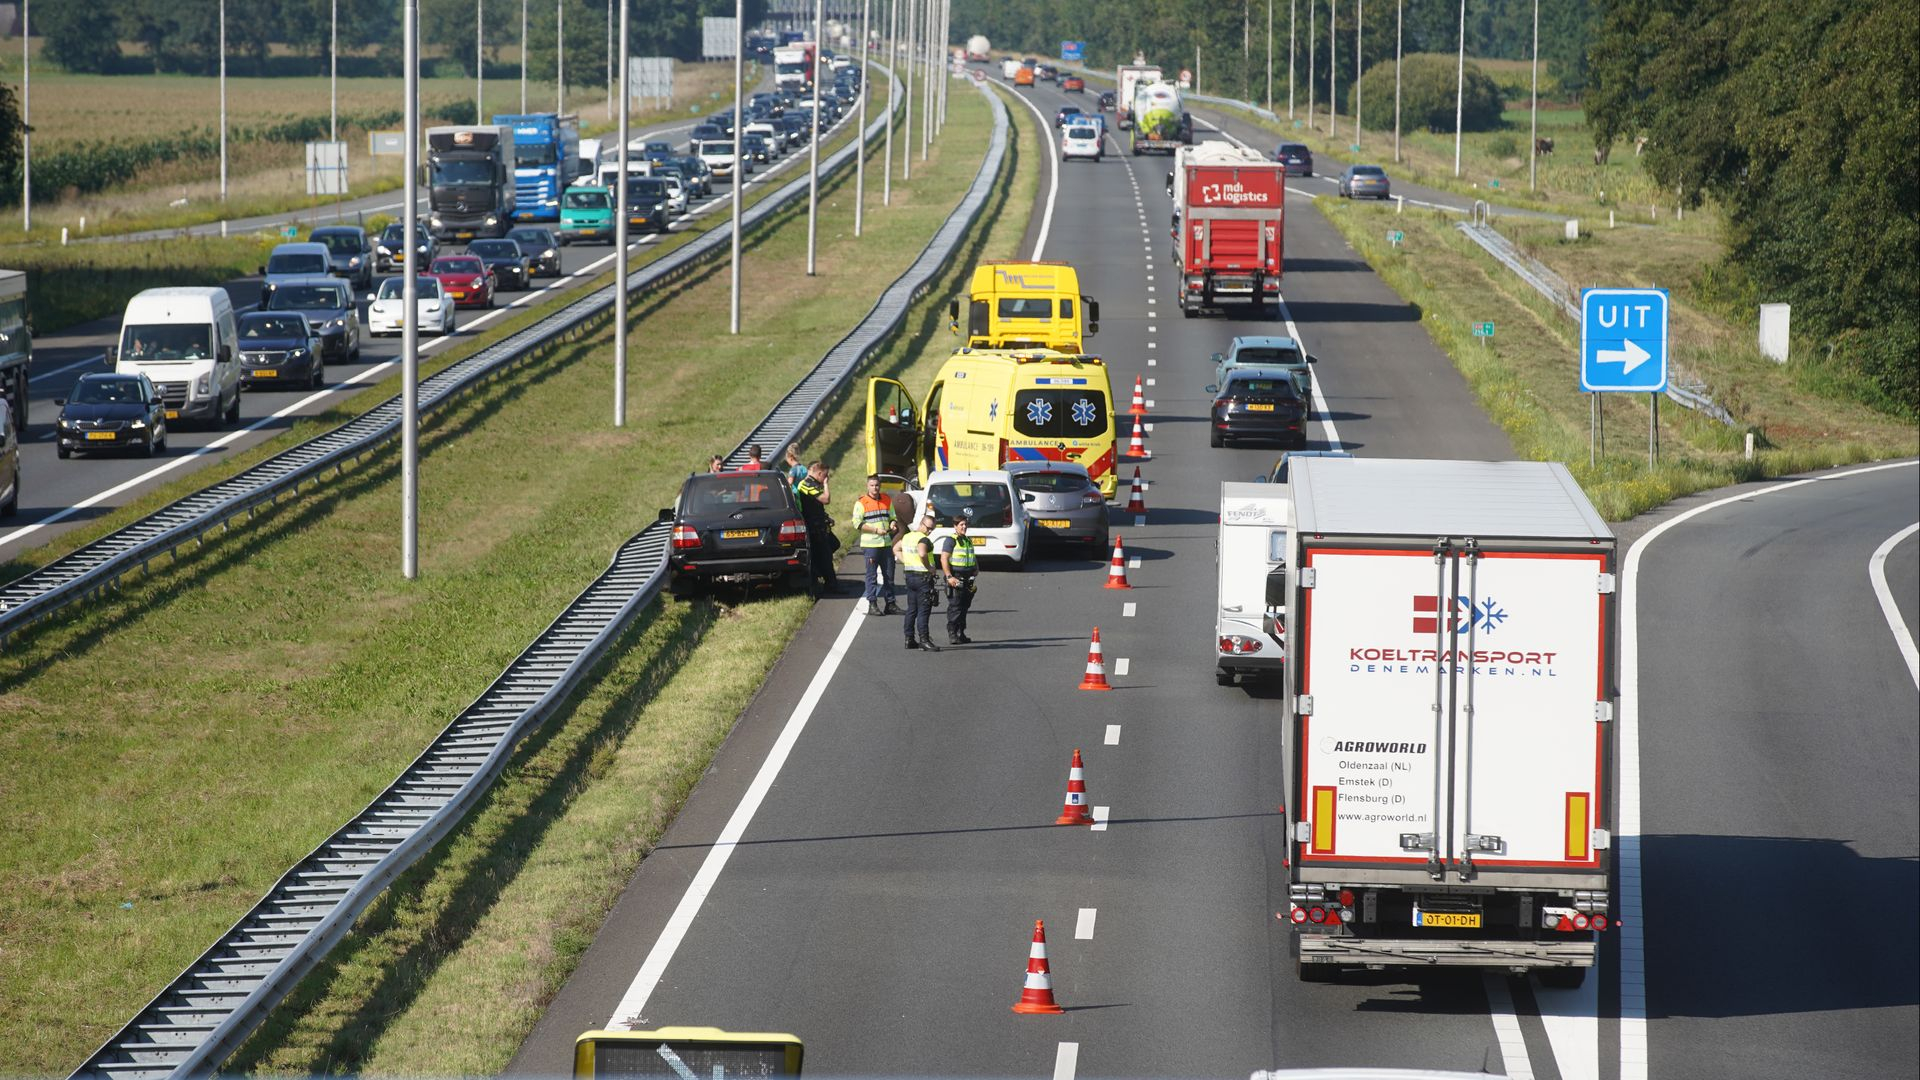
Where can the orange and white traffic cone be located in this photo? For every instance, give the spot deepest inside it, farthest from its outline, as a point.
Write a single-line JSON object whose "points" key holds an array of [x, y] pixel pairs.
{"points": [[1075, 812], [1139, 399], [1096, 677], [1036, 997], [1136, 502], [1117, 569], [1137, 446]]}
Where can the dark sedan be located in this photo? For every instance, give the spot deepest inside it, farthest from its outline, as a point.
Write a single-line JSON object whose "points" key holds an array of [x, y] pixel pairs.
{"points": [[756, 147], [737, 528], [111, 412], [508, 261], [328, 304], [1297, 157], [349, 251], [1253, 406], [280, 348], [647, 203], [1106, 100], [541, 246]]}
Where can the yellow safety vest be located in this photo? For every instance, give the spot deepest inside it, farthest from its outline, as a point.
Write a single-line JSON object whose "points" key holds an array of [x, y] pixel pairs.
{"points": [[911, 557], [961, 557], [875, 511]]}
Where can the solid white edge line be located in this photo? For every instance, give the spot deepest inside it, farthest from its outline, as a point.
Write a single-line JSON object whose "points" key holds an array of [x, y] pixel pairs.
{"points": [[1066, 1060], [1083, 925], [627, 1015], [1877, 573], [1323, 413], [1506, 1027], [1113, 735], [1053, 159], [1633, 956]]}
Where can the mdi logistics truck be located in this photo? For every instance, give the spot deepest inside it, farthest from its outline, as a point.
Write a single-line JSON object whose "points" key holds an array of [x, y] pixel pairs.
{"points": [[1449, 737], [1229, 227]]}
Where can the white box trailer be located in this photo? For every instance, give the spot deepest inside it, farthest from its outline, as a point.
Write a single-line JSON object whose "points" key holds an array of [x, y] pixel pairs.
{"points": [[1449, 746]]}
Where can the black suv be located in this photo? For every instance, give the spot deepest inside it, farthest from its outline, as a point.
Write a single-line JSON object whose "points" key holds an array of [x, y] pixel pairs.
{"points": [[1297, 157], [741, 528]]}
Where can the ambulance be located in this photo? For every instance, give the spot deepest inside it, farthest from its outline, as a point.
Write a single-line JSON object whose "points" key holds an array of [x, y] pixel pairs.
{"points": [[991, 406], [1025, 305]]}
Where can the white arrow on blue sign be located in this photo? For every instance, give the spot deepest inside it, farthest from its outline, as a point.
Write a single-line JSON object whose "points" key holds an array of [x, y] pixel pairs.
{"points": [[1623, 340]]}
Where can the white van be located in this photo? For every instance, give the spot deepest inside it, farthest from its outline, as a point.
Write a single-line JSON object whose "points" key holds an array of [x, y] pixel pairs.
{"points": [[184, 339], [609, 175], [1251, 557]]}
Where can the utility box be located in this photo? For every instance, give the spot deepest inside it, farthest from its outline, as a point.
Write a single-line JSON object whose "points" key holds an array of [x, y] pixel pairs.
{"points": [[1776, 322]]}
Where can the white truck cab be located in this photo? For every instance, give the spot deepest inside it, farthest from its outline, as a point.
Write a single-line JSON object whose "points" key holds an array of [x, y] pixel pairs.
{"points": [[184, 339], [1251, 558]]}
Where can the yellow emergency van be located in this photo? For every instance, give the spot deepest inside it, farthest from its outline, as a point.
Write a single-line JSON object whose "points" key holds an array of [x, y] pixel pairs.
{"points": [[1026, 305], [991, 406]]}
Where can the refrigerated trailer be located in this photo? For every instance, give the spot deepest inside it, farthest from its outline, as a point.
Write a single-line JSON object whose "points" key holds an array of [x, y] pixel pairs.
{"points": [[1449, 746], [1229, 228]]}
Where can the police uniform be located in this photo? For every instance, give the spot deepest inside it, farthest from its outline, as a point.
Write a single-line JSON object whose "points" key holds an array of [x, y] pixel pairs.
{"points": [[876, 547], [821, 543], [963, 560], [917, 560]]}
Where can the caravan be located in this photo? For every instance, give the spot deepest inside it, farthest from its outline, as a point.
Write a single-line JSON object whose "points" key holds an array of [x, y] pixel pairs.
{"points": [[1251, 559]]}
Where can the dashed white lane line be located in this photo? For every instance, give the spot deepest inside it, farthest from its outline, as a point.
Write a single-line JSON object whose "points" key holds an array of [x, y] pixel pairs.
{"points": [[1133, 563], [1100, 814], [1083, 926], [1139, 521], [1127, 610], [1150, 383], [1150, 404], [1149, 428], [1151, 362], [1121, 666], [1113, 735], [1065, 1061]]}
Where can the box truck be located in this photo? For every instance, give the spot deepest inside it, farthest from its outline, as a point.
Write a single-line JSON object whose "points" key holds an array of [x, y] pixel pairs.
{"points": [[1127, 78], [1448, 738], [1229, 222]]}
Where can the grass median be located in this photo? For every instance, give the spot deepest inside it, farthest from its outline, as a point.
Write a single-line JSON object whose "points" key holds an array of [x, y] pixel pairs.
{"points": [[170, 754], [1525, 376]]}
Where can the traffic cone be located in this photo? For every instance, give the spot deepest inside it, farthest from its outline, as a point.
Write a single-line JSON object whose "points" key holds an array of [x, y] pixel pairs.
{"points": [[1117, 569], [1036, 997], [1139, 399], [1096, 677], [893, 414], [1136, 503], [1075, 812], [1137, 446]]}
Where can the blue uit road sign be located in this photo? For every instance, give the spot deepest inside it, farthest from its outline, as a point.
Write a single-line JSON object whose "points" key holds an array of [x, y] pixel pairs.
{"points": [[1623, 340]]}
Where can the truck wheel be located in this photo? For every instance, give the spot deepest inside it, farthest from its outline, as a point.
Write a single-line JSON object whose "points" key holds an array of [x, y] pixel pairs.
{"points": [[1315, 973], [1568, 978]]}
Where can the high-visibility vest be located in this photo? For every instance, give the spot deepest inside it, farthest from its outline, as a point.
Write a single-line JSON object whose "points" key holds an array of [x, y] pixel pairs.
{"points": [[961, 557], [875, 511], [808, 486], [911, 556]]}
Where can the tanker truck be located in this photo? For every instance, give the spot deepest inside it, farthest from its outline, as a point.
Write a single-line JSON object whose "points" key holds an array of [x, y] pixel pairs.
{"points": [[978, 47], [1160, 120]]}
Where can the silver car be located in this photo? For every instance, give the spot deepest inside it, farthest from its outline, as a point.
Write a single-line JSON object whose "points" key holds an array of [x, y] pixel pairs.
{"points": [[1368, 180], [1063, 503]]}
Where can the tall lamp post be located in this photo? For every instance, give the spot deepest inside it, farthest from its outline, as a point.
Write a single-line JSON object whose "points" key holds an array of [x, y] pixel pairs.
{"points": [[1533, 123], [410, 306], [860, 159], [26, 122], [739, 159], [223, 100], [813, 138], [893, 61], [620, 239], [479, 61]]}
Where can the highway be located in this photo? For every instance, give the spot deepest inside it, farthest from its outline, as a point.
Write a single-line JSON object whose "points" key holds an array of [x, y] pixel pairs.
{"points": [[885, 816], [59, 495]]}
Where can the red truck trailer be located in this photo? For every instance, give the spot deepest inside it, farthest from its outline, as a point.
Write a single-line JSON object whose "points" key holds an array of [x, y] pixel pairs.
{"points": [[1228, 227]]}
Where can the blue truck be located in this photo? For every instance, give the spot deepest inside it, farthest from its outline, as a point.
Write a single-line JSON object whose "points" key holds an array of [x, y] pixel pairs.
{"points": [[546, 151]]}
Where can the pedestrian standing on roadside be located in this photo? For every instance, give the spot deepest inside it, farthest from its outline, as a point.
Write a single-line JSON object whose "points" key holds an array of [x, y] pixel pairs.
{"points": [[873, 516], [716, 463], [822, 544], [796, 469], [754, 464], [961, 569], [915, 551]]}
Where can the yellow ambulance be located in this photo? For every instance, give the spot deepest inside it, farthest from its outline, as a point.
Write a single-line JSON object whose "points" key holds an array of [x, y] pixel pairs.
{"points": [[1026, 305], [991, 406]]}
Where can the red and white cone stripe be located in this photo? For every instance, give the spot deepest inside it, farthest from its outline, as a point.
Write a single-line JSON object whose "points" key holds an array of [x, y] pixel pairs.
{"points": [[1137, 446], [1075, 810], [1096, 676], [1117, 569], [1139, 407], [1136, 499]]}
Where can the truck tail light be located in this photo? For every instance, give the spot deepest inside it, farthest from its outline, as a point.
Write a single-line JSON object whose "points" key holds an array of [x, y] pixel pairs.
{"points": [[685, 537], [793, 531], [1599, 922], [1346, 897], [1298, 915], [1238, 644], [1317, 915], [1581, 922]]}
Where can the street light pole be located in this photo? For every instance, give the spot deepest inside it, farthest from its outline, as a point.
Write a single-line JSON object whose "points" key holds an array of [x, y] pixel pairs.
{"points": [[223, 100], [1359, 60], [859, 159], [620, 240], [739, 159], [523, 56], [1533, 132], [26, 122], [1333, 68], [893, 62], [1459, 87], [1269, 55], [410, 306], [1311, 36], [333, 76], [479, 61], [1398, 24], [1292, 17], [813, 138], [906, 132], [560, 56]]}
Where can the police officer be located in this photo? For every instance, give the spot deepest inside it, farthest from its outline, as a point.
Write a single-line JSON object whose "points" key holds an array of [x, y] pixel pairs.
{"points": [[915, 552], [961, 569], [815, 495]]}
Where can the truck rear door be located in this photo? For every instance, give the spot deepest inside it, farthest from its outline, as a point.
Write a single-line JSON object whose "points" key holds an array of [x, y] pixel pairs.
{"points": [[1451, 706]]}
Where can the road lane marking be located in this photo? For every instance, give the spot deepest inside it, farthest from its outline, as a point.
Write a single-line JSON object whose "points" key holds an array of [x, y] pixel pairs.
{"points": [[1633, 976], [1083, 926], [1877, 573], [634, 1002], [1127, 610], [1150, 382], [1150, 404], [1139, 521], [1113, 735], [1506, 1028], [1100, 818], [1322, 412], [1133, 563], [1065, 1061], [1121, 665]]}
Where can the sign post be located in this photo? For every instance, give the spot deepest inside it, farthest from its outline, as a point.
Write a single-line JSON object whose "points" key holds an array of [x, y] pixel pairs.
{"points": [[1623, 349]]}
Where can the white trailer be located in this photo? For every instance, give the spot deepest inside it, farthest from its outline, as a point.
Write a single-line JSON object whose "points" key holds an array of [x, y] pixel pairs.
{"points": [[1449, 746]]}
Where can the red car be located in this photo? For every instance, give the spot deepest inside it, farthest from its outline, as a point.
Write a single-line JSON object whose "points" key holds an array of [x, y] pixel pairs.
{"points": [[1073, 84], [466, 279]]}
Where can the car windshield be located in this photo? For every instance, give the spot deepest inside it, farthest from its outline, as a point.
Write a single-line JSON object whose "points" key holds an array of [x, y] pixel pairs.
{"points": [[1052, 482], [1082, 133], [459, 265], [297, 263], [1293, 148], [1026, 307], [390, 289], [1281, 388], [587, 200], [1369, 170], [108, 392], [254, 327], [460, 171], [495, 249], [167, 341], [338, 243], [985, 505], [307, 298], [1267, 354], [530, 239], [646, 188], [725, 493], [392, 237]]}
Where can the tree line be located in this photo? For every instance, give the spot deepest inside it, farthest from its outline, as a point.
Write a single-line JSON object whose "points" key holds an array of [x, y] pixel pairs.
{"points": [[183, 36]]}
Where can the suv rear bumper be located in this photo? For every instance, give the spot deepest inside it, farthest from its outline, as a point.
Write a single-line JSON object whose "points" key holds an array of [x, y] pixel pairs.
{"points": [[722, 568]]}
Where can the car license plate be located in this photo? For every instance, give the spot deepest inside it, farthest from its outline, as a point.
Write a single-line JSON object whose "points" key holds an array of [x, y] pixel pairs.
{"points": [[173, 414], [1055, 523], [741, 534], [1259, 408], [266, 373], [100, 436], [457, 294], [1464, 920]]}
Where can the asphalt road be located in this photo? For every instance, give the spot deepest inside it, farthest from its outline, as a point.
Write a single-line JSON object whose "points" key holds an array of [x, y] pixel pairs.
{"points": [[59, 495], [1779, 732], [881, 882]]}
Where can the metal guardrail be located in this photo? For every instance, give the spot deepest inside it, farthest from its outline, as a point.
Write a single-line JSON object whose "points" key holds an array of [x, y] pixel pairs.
{"points": [[1682, 388], [98, 565], [205, 1013]]}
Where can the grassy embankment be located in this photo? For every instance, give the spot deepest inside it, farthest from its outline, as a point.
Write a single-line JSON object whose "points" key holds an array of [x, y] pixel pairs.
{"points": [[1526, 379], [198, 780]]}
